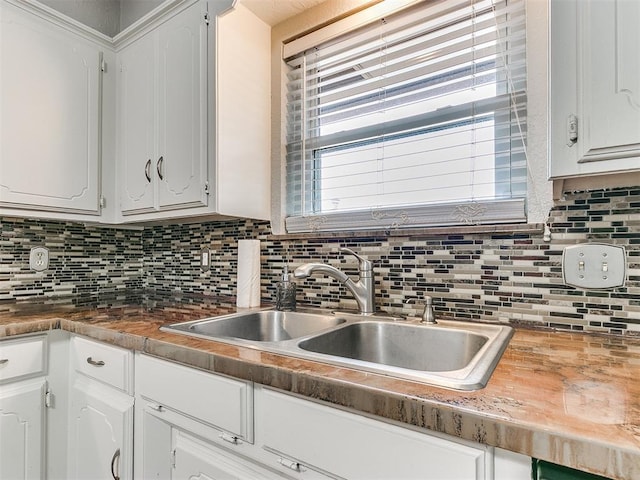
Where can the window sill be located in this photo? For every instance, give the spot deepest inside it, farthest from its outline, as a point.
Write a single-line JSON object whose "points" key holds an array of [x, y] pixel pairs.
{"points": [[515, 228]]}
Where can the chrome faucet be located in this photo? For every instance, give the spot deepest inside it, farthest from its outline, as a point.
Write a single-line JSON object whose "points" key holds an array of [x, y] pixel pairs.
{"points": [[362, 290]]}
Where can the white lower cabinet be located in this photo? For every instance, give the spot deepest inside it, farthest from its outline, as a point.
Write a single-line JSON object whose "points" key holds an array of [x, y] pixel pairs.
{"points": [[193, 424], [22, 430], [100, 413], [22, 408], [346, 445], [100, 432]]}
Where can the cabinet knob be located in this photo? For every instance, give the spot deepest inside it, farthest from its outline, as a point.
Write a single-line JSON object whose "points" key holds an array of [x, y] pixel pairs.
{"points": [[3, 361], [159, 168]]}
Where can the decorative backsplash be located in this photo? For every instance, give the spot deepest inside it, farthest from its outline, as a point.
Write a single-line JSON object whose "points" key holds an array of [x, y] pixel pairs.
{"points": [[487, 277], [83, 260]]}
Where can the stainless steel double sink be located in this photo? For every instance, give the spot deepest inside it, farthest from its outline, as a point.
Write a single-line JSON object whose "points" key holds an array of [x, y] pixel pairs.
{"points": [[451, 354]]}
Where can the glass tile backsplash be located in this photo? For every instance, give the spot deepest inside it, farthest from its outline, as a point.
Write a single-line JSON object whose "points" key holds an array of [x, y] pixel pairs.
{"points": [[486, 277]]}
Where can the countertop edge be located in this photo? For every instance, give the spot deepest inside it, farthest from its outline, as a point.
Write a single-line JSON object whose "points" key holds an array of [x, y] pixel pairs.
{"points": [[590, 455]]}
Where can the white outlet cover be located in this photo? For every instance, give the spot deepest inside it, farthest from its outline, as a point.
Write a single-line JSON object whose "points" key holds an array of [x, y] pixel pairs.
{"points": [[39, 259], [594, 266]]}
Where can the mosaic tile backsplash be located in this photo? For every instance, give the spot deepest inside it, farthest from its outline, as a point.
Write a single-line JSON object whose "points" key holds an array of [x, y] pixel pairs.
{"points": [[513, 277]]}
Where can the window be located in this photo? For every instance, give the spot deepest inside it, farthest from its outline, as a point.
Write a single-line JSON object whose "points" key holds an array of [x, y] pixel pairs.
{"points": [[417, 119]]}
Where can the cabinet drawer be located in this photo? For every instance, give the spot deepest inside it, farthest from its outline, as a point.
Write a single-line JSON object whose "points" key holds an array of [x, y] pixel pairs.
{"points": [[222, 402], [22, 358], [349, 445], [106, 363]]}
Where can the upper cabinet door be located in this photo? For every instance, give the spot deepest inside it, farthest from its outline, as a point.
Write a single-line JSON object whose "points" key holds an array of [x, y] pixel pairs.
{"points": [[182, 109], [609, 79], [50, 91], [136, 115], [595, 87]]}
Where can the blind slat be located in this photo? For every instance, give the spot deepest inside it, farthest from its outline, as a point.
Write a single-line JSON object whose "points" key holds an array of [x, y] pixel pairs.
{"points": [[427, 107]]}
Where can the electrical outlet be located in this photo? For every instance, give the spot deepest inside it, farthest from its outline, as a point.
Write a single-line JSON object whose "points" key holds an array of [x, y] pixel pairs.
{"points": [[39, 259], [594, 265]]}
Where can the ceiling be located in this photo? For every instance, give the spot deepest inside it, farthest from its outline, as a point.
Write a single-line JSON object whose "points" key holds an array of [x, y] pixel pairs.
{"points": [[275, 11]]}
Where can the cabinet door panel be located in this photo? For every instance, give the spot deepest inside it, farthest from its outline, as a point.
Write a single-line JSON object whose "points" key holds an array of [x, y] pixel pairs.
{"points": [[323, 438], [50, 85], [198, 460], [608, 38], [21, 430], [137, 129], [594, 87], [100, 431], [182, 115]]}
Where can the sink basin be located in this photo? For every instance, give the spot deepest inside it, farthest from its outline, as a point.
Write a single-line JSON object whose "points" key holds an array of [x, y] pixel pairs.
{"points": [[261, 326], [450, 354], [406, 346]]}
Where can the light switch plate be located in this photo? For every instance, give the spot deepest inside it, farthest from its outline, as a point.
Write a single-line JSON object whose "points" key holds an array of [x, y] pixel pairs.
{"points": [[594, 266], [205, 259]]}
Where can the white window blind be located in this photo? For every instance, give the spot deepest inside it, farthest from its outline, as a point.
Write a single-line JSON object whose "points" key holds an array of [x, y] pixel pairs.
{"points": [[417, 119]]}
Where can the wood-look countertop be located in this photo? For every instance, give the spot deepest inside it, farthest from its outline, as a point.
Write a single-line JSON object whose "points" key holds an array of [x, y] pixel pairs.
{"points": [[569, 398]]}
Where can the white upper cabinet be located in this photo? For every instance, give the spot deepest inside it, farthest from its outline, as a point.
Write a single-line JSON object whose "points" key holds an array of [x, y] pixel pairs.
{"points": [[595, 87], [50, 116], [162, 118], [168, 119], [193, 121], [136, 130]]}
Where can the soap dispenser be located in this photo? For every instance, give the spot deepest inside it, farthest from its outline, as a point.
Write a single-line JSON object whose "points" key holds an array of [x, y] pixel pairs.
{"points": [[286, 292]]}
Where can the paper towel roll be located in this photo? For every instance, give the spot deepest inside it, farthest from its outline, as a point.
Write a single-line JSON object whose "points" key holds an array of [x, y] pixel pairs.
{"points": [[248, 294]]}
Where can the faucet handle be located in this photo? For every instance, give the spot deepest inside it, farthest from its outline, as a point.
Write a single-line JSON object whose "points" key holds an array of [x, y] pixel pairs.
{"points": [[365, 265]]}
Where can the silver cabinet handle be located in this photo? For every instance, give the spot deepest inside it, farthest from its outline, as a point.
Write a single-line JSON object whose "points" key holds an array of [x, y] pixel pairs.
{"points": [[234, 440], [116, 457], [95, 363], [159, 168], [3, 361], [291, 464], [147, 170]]}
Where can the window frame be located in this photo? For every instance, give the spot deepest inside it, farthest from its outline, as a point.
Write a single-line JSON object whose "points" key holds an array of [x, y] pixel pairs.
{"points": [[491, 212]]}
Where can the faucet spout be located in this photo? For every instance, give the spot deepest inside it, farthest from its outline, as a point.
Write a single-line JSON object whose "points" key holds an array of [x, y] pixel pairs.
{"points": [[362, 290], [306, 270]]}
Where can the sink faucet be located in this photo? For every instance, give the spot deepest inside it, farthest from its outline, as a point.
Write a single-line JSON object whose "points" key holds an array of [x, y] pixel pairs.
{"points": [[362, 290]]}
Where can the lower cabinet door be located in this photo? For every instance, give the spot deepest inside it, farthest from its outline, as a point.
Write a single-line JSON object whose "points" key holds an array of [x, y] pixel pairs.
{"points": [[170, 445], [196, 459], [347, 445], [22, 430], [100, 432]]}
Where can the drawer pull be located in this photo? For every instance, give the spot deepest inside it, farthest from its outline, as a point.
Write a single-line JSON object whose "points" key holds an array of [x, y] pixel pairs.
{"points": [[234, 440], [155, 406], [95, 363], [3, 361], [116, 457], [291, 464]]}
